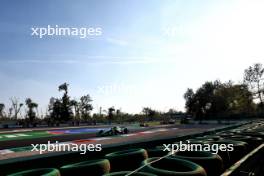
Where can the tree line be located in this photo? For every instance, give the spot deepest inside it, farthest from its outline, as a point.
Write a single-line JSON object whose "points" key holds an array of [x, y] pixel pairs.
{"points": [[213, 100], [74, 111], [218, 100], [60, 110]]}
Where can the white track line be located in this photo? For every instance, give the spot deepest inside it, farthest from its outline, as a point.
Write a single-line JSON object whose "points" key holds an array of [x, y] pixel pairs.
{"points": [[10, 136], [101, 138], [6, 151], [21, 134], [127, 135]]}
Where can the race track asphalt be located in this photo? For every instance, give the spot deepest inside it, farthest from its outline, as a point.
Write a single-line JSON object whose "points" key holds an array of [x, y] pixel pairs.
{"points": [[11, 139], [15, 147]]}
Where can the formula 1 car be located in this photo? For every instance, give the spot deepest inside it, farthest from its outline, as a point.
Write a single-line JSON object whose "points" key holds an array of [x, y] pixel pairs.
{"points": [[113, 131]]}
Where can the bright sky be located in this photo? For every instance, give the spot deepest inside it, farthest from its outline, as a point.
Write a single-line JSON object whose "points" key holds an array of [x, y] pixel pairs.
{"points": [[149, 52]]}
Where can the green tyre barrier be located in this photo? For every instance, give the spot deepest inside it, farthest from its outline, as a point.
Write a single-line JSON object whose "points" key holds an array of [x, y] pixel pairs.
{"points": [[172, 166], [212, 163], [193, 141], [158, 151], [126, 159], [91, 168], [38, 172], [253, 142], [124, 173], [209, 138], [253, 134], [230, 157], [225, 134]]}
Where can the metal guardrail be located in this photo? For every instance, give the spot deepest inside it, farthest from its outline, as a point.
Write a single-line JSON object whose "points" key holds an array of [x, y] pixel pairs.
{"points": [[240, 166]]}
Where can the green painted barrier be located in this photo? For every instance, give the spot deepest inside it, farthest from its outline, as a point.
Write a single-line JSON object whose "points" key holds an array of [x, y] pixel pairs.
{"points": [[126, 159], [91, 167], [172, 166]]}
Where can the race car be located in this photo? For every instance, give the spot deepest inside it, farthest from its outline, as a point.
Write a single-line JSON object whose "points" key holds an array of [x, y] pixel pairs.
{"points": [[116, 130]]}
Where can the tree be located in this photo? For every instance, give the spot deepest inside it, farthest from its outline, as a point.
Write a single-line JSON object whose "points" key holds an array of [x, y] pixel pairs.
{"points": [[149, 113], [16, 106], [111, 111], [64, 87], [171, 113], [2, 107], [199, 103], [55, 107], [253, 76], [85, 106], [119, 115], [190, 101], [66, 111], [10, 111], [216, 99], [236, 99], [31, 114], [60, 109], [76, 107]]}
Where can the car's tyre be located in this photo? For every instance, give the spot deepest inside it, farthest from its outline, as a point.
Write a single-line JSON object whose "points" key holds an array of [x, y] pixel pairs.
{"points": [[212, 163], [40, 171], [119, 160], [172, 166], [124, 173], [91, 168], [100, 132], [125, 131]]}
